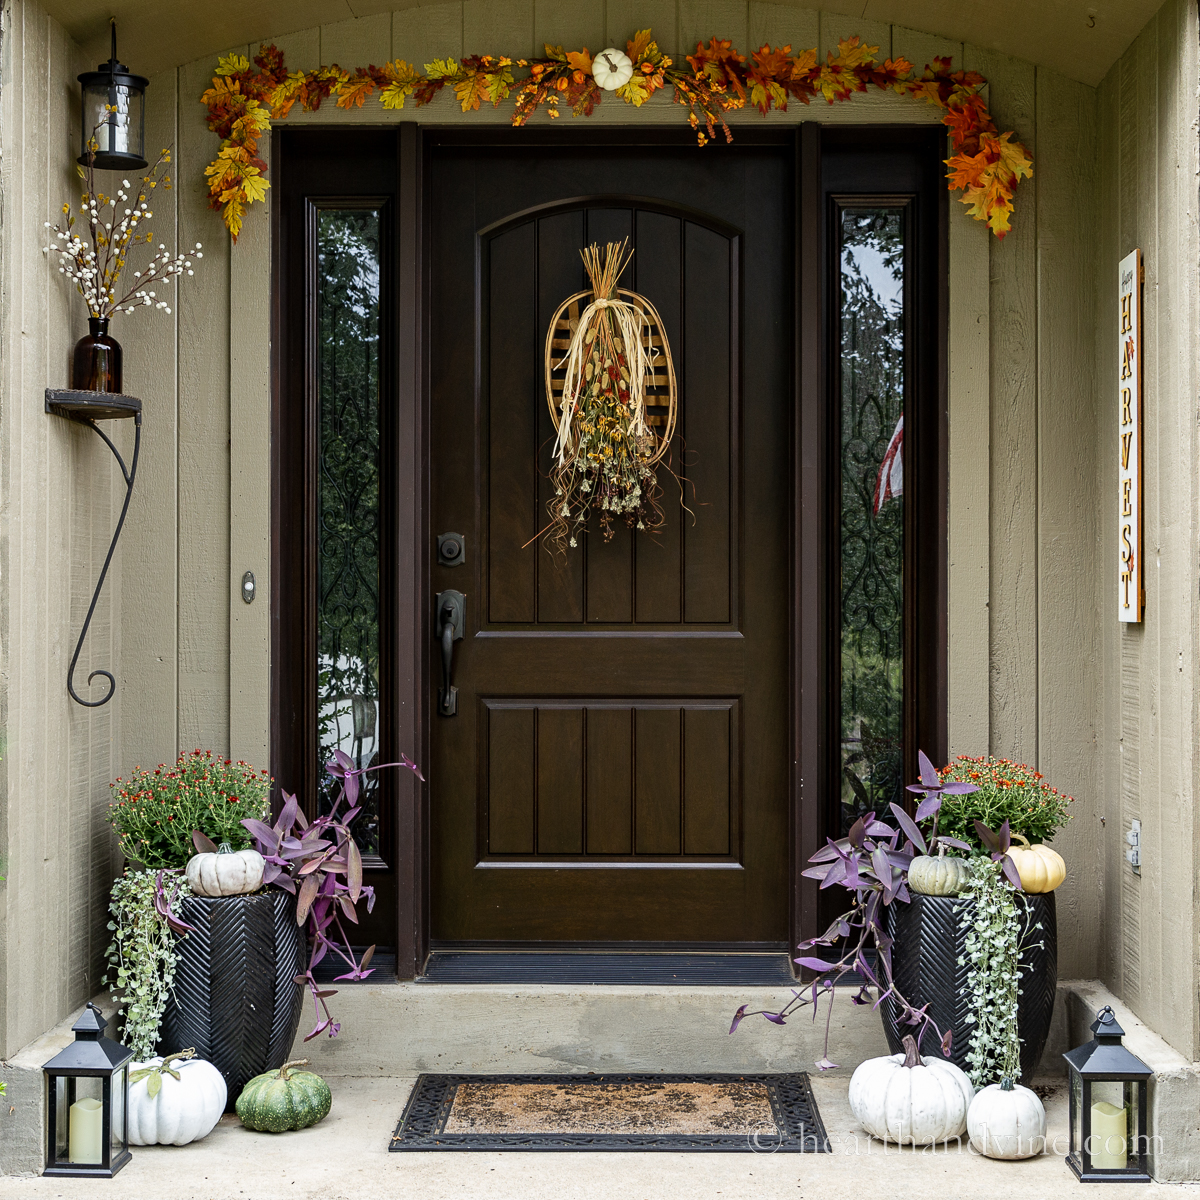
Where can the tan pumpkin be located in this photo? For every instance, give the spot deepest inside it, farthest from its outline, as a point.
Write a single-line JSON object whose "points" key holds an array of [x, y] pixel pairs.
{"points": [[1040, 868], [226, 872], [940, 876]]}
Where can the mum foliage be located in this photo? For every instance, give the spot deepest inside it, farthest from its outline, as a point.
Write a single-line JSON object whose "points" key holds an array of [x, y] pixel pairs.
{"points": [[1005, 792], [986, 165], [154, 812]]}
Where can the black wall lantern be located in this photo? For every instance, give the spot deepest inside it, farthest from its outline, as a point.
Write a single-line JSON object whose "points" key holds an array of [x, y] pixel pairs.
{"points": [[87, 1097], [1109, 1137], [120, 134]]}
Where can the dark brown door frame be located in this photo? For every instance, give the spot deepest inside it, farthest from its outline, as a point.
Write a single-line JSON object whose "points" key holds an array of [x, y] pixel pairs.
{"points": [[813, 603], [910, 156]]}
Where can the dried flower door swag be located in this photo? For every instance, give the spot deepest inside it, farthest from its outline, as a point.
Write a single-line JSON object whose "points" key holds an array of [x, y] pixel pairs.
{"points": [[610, 387]]}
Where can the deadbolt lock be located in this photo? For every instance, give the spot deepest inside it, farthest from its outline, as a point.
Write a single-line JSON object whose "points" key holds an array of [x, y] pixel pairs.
{"points": [[452, 549]]}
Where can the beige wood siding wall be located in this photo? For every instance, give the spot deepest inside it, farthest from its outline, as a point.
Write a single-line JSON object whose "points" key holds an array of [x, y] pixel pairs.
{"points": [[1149, 165], [1024, 493], [58, 490]]}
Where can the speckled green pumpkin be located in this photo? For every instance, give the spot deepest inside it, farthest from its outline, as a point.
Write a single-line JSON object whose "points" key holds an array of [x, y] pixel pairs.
{"points": [[284, 1099], [941, 876]]}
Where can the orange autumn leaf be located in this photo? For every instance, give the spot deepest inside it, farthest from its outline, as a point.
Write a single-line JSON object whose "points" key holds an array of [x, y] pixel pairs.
{"points": [[720, 64], [351, 92], [640, 45], [769, 70], [580, 60], [804, 63]]}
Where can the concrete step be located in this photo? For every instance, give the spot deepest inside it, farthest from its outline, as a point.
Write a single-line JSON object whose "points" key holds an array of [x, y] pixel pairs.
{"points": [[406, 1028]]}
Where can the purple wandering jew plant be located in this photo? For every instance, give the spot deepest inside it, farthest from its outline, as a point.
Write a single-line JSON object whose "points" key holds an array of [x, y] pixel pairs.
{"points": [[871, 862], [319, 862]]}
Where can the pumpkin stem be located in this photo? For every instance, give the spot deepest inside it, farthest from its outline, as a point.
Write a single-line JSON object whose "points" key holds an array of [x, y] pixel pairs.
{"points": [[912, 1056], [1016, 837], [165, 1065], [224, 848], [1006, 1084], [296, 1062]]}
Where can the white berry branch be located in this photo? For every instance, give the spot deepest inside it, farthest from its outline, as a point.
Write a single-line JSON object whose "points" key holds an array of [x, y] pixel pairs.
{"points": [[114, 225]]}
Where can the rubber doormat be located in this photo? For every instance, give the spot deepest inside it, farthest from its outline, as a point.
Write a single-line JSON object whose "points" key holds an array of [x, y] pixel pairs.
{"points": [[751, 1113]]}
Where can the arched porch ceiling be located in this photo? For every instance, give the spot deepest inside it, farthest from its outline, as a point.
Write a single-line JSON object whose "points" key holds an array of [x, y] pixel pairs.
{"points": [[1079, 38]]}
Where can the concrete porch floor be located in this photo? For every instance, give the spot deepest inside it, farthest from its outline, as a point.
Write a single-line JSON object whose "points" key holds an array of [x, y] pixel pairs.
{"points": [[346, 1156]]}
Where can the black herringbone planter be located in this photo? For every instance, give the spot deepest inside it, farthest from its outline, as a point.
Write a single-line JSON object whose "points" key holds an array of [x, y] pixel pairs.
{"points": [[235, 998], [928, 944]]}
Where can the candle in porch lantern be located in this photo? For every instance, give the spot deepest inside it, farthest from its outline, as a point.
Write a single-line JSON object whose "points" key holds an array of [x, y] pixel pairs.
{"points": [[1108, 1137], [84, 1146]]}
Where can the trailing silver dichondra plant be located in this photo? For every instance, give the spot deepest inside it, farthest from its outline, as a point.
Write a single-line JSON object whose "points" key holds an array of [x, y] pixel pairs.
{"points": [[142, 957], [998, 924]]}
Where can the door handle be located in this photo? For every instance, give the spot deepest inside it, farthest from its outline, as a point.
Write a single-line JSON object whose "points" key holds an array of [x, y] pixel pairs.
{"points": [[451, 619]]}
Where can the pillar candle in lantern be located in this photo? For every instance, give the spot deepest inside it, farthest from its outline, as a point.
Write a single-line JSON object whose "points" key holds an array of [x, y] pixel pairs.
{"points": [[86, 1116], [1108, 1136]]}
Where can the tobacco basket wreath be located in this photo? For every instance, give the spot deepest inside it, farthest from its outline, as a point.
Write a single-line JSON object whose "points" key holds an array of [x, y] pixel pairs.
{"points": [[611, 390]]}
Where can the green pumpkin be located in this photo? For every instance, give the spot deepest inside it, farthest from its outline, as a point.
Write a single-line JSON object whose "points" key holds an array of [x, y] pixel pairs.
{"points": [[284, 1099], [941, 876]]}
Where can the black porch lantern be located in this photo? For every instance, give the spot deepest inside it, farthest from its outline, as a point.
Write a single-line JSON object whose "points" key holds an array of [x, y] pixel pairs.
{"points": [[121, 134], [1109, 1137], [87, 1097]]}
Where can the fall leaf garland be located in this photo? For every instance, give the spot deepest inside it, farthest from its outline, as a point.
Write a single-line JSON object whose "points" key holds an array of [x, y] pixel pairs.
{"points": [[986, 165]]}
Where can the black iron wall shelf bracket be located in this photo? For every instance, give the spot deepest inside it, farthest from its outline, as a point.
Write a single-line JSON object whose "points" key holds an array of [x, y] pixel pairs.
{"points": [[87, 408]]}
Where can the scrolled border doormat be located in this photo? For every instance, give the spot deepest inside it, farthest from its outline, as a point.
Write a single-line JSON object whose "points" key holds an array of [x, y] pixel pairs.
{"points": [[754, 1113]]}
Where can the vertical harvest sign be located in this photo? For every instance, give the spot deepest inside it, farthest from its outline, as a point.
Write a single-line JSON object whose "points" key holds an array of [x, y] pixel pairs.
{"points": [[1131, 594]]}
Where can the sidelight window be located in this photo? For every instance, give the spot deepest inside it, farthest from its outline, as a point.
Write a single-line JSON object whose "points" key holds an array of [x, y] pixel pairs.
{"points": [[348, 501], [871, 528]]}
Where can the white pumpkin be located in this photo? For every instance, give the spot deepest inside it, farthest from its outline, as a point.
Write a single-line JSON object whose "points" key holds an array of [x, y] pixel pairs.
{"points": [[1006, 1120], [611, 69], [174, 1101], [911, 1100], [225, 872]]}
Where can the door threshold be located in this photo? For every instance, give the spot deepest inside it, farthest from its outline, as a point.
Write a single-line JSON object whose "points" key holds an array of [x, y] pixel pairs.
{"points": [[629, 968]]}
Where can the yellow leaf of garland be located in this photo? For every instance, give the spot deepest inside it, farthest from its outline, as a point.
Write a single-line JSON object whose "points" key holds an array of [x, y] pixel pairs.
{"points": [[255, 186], [635, 92], [852, 54], [232, 64], [442, 68]]}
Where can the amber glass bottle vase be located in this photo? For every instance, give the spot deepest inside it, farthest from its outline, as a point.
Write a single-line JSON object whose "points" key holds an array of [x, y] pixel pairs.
{"points": [[97, 363]]}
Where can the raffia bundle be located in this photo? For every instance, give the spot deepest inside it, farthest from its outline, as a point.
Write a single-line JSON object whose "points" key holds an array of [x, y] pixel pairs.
{"points": [[612, 397]]}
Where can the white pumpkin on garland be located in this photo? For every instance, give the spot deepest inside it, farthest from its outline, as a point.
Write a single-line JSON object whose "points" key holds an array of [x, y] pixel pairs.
{"points": [[1006, 1120], [611, 69], [911, 1100], [225, 872], [174, 1100]]}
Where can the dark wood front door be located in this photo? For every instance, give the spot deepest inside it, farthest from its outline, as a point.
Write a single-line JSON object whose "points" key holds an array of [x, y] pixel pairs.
{"points": [[618, 768]]}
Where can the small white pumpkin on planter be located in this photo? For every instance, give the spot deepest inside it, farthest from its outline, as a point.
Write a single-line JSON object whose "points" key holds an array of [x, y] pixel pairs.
{"points": [[174, 1100], [1008, 1121], [611, 69], [940, 876], [225, 872], [911, 1100]]}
